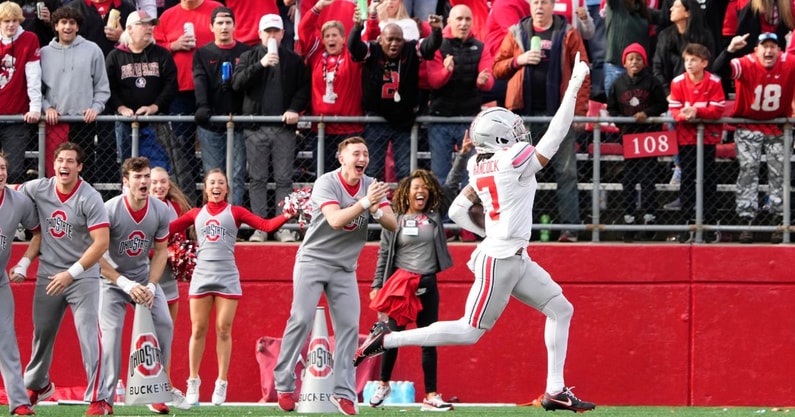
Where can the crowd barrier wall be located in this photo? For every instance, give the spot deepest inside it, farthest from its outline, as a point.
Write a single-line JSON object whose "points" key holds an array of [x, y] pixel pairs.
{"points": [[655, 324]]}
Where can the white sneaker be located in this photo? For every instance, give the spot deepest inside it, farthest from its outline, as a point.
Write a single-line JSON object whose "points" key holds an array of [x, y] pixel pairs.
{"points": [[219, 394], [192, 394], [380, 394], [258, 236], [285, 235], [178, 400], [435, 403]]}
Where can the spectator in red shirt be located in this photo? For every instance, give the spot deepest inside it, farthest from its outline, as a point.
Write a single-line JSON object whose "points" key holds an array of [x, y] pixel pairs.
{"points": [[765, 85], [20, 87], [697, 94], [171, 34], [336, 80]]}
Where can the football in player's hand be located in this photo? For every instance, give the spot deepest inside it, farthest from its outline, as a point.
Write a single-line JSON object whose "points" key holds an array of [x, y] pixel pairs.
{"points": [[477, 215]]}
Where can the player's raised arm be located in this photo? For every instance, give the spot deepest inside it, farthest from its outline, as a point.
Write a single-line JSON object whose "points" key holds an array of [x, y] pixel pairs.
{"points": [[561, 122]]}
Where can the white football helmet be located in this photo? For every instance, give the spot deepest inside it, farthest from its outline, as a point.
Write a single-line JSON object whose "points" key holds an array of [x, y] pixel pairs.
{"points": [[496, 128]]}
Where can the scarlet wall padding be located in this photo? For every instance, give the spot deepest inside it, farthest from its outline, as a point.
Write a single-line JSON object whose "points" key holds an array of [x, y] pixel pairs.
{"points": [[702, 325]]}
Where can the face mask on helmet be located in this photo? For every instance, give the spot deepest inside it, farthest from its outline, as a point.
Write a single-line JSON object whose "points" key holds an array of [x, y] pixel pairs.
{"points": [[497, 128]]}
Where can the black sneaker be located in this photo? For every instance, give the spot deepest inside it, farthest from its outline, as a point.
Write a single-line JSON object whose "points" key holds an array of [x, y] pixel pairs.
{"points": [[565, 400], [374, 344]]}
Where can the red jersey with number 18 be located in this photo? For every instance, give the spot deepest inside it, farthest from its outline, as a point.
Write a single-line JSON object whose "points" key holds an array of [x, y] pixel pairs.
{"points": [[763, 94]]}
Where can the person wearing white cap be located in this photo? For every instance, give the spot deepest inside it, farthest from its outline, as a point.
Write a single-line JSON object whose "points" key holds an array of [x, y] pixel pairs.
{"points": [[274, 82], [143, 81]]}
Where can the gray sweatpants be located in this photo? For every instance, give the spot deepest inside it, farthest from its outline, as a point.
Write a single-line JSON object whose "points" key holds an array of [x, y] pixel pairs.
{"points": [[310, 280], [82, 296], [10, 365]]}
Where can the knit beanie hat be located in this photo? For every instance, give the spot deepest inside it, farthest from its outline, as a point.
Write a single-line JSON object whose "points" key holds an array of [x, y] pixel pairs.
{"points": [[638, 48]]}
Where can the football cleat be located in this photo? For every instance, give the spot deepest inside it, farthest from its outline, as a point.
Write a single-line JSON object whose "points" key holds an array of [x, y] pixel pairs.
{"points": [[565, 400], [374, 344]]}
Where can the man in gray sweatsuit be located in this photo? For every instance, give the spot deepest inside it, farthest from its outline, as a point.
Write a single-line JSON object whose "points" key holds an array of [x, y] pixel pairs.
{"points": [[74, 83]]}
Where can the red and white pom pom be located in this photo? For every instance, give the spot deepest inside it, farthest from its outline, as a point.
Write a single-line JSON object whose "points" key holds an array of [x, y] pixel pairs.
{"points": [[182, 254], [298, 204]]}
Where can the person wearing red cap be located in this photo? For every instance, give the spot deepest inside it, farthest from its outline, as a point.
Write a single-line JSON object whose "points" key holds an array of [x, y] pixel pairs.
{"points": [[636, 93]]}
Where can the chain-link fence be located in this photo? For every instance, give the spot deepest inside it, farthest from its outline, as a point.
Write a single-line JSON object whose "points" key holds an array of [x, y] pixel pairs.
{"points": [[631, 185]]}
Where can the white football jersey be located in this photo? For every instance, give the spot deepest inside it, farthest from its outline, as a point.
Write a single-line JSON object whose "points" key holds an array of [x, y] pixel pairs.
{"points": [[507, 199]]}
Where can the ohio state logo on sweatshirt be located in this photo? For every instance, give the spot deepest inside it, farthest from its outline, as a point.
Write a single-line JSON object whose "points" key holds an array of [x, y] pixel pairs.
{"points": [[58, 225], [135, 244], [213, 231]]}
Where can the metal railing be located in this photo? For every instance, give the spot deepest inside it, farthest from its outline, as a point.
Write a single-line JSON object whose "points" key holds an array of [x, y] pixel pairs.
{"points": [[596, 224]]}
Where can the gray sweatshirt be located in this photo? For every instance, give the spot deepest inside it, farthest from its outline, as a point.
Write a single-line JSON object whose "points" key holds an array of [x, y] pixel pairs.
{"points": [[73, 77]]}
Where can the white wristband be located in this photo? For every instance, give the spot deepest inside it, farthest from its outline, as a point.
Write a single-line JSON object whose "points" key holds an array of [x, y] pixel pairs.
{"points": [[76, 269], [151, 287], [365, 202], [22, 266], [125, 284], [378, 214]]}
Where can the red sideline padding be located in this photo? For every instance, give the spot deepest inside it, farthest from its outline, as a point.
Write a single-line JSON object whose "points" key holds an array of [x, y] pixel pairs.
{"points": [[268, 353], [654, 324]]}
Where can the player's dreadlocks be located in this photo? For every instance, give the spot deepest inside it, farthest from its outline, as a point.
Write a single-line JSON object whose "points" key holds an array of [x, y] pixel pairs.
{"points": [[400, 201]]}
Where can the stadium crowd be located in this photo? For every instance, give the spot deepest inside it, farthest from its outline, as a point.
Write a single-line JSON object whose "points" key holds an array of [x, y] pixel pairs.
{"points": [[397, 60]]}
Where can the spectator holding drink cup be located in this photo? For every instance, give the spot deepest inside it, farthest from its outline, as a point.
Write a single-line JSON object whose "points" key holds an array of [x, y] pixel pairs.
{"points": [[103, 21], [182, 29]]}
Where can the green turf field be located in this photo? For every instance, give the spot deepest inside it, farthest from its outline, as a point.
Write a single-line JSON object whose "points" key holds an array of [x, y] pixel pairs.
{"points": [[462, 410]]}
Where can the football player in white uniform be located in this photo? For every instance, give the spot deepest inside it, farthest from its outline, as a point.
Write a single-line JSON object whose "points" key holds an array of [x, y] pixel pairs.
{"points": [[502, 179]]}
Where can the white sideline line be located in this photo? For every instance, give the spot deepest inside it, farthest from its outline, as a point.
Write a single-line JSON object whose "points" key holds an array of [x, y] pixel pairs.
{"points": [[257, 404]]}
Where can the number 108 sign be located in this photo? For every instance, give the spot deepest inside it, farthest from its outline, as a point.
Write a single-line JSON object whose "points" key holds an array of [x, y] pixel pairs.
{"points": [[646, 144]]}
